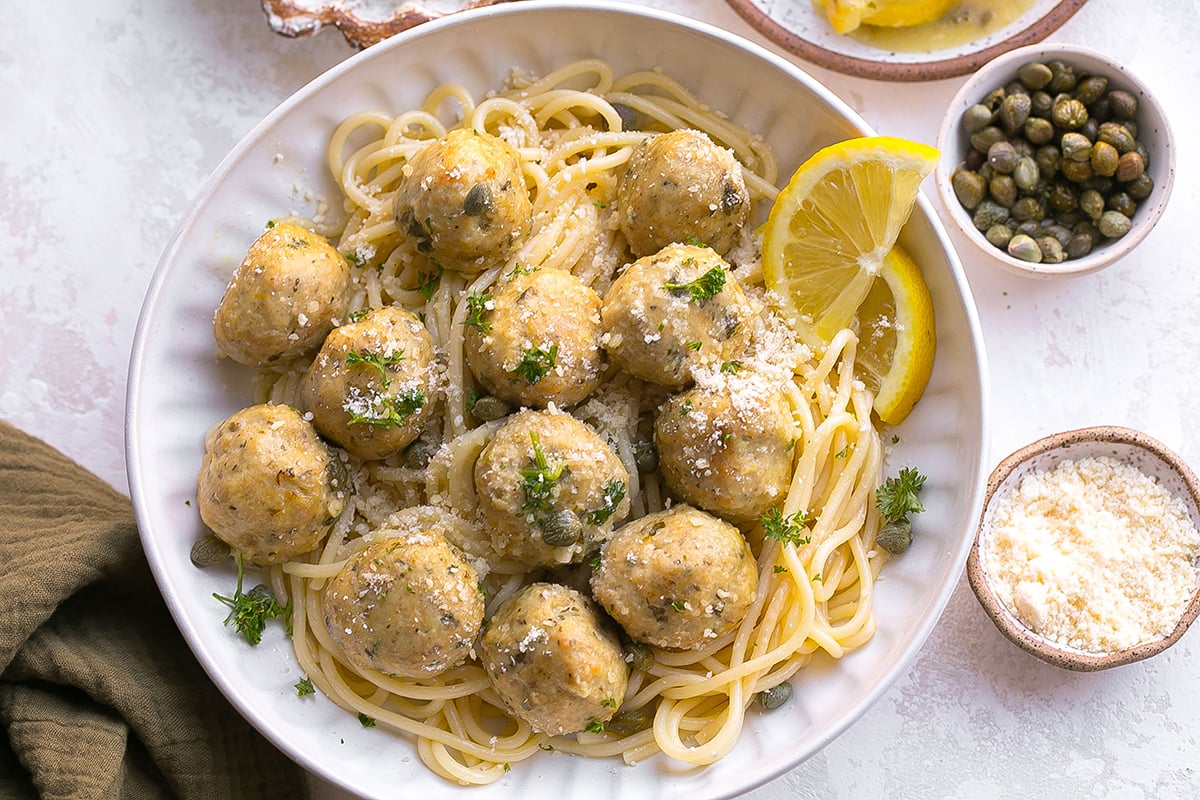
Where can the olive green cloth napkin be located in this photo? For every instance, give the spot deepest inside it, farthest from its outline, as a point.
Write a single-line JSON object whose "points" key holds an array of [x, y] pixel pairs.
{"points": [[99, 695]]}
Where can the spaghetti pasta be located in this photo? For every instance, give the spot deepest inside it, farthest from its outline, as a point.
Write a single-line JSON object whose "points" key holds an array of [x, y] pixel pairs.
{"points": [[574, 130]]}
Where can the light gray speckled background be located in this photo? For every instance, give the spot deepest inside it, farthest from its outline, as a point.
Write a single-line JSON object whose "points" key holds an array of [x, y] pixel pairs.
{"points": [[114, 113]]}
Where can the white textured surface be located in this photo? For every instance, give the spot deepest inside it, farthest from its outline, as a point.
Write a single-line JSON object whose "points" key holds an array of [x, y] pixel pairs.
{"points": [[114, 114]]}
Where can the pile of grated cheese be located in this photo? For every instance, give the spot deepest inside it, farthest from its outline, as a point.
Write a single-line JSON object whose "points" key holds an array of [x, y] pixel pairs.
{"points": [[1093, 554]]}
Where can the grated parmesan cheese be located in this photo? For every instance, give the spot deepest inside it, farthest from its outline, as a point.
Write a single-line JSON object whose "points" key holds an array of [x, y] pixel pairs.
{"points": [[1093, 554]]}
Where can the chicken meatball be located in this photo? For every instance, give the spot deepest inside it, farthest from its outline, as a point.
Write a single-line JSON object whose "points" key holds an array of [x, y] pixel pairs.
{"points": [[373, 385], [727, 446], [551, 488], [538, 339], [465, 200], [681, 187], [676, 579], [284, 298], [674, 311], [553, 660], [407, 605], [269, 487]]}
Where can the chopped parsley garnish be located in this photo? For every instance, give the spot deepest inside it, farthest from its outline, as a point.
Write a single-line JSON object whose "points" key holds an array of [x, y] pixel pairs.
{"points": [[843, 453], [535, 363], [897, 497], [305, 687], [702, 288], [365, 721], [377, 361], [538, 481], [695, 242], [614, 493], [677, 605], [355, 316], [695, 345], [427, 283], [595, 726], [731, 367], [791, 529], [478, 305], [609, 702], [685, 407], [354, 258], [251, 610], [391, 411], [780, 568]]}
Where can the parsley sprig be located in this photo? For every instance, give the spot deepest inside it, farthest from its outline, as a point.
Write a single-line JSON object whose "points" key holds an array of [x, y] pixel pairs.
{"points": [[614, 493], [791, 529], [379, 362], [535, 363], [702, 288], [479, 304], [538, 481], [897, 496], [251, 610], [390, 412]]}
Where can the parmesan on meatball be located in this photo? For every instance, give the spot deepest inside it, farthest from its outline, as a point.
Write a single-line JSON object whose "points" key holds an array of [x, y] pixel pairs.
{"points": [[727, 446], [676, 579], [373, 385], [269, 487], [465, 200], [550, 487], [681, 187], [538, 339], [284, 298], [553, 660], [407, 605], [672, 312]]}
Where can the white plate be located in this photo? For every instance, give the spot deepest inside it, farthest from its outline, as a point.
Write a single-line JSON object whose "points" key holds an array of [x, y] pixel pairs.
{"points": [[803, 29], [177, 390]]}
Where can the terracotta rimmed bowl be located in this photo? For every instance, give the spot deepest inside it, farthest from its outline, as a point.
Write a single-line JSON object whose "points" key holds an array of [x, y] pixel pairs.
{"points": [[1154, 131], [1128, 446]]}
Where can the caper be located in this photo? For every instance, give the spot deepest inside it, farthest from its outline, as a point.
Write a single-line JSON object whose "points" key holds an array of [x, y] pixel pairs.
{"points": [[1014, 111], [1092, 203], [986, 171], [1117, 135], [984, 138], [1079, 245], [1003, 190], [1100, 110], [1121, 201], [1002, 157], [1091, 89], [562, 528], [638, 656], [1141, 150], [1086, 226], [989, 213], [1025, 248], [974, 159], [418, 454], [896, 536], [1105, 159], [1026, 173], [478, 200], [1140, 187], [1078, 171], [1060, 232], [628, 722], [1062, 197], [776, 696], [994, 98], [1102, 184], [1040, 104], [1052, 250], [1021, 146], [630, 117], [1035, 75], [1069, 218], [999, 235], [1062, 77], [645, 457], [969, 187], [1038, 130], [1049, 160], [1090, 129], [489, 408], [1014, 87], [1029, 208], [1114, 224], [1123, 104], [1068, 113], [977, 117], [209, 550], [1129, 166], [1075, 147], [1129, 125]]}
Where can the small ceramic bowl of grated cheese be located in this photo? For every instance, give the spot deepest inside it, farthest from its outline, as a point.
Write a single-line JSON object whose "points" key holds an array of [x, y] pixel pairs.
{"points": [[1087, 553]]}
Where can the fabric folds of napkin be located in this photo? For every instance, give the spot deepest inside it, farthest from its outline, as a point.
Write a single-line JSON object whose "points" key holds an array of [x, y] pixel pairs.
{"points": [[99, 695]]}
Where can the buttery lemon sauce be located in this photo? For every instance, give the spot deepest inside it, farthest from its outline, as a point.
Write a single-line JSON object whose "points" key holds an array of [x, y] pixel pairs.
{"points": [[965, 22]]}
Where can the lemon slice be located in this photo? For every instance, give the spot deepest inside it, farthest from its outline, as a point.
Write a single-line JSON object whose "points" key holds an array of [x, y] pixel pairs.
{"points": [[896, 337], [828, 232], [847, 15]]}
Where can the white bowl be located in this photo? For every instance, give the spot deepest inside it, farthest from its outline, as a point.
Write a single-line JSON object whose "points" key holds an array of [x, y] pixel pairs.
{"points": [[1153, 130], [178, 389]]}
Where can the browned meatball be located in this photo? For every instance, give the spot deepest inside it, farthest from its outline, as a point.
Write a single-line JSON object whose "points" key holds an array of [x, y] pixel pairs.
{"points": [[681, 187], [465, 200], [373, 385], [407, 605], [284, 298], [550, 487], [674, 311], [268, 486], [677, 578], [553, 660], [539, 342], [727, 446]]}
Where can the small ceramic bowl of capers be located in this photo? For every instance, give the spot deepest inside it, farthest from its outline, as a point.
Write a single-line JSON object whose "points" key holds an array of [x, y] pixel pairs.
{"points": [[1055, 160]]}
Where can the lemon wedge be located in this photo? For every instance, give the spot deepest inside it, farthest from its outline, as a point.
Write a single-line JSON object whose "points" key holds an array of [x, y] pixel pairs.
{"points": [[846, 15], [896, 337], [827, 241]]}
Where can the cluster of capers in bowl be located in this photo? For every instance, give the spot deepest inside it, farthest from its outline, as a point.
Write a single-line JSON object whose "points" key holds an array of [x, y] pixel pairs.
{"points": [[1055, 166]]}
